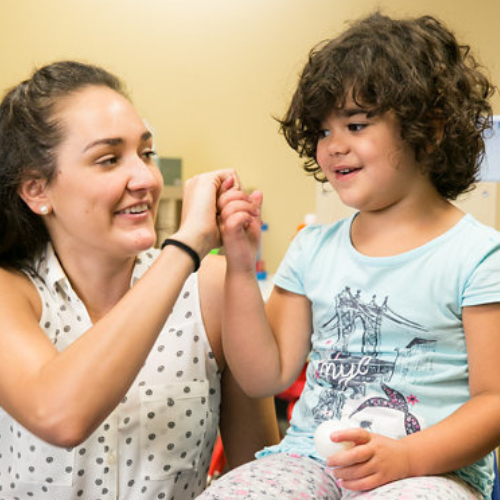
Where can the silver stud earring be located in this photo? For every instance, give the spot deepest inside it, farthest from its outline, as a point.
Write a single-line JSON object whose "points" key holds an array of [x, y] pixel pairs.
{"points": [[44, 209]]}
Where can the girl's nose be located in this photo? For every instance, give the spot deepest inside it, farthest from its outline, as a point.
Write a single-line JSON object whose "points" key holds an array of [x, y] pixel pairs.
{"points": [[337, 144]]}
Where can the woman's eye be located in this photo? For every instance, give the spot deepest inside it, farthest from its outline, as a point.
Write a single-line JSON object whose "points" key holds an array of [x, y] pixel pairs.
{"points": [[108, 161], [149, 154]]}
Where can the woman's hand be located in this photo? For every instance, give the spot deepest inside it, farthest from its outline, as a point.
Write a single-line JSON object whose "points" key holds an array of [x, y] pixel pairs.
{"points": [[240, 226], [373, 461], [199, 227]]}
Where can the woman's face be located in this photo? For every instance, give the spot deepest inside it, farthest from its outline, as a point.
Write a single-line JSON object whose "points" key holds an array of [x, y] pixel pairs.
{"points": [[105, 194]]}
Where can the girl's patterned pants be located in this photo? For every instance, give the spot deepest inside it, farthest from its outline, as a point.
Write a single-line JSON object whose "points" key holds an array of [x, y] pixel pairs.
{"points": [[292, 477]]}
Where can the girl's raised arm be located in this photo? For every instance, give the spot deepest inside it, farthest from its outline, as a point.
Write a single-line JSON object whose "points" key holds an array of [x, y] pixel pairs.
{"points": [[265, 355]]}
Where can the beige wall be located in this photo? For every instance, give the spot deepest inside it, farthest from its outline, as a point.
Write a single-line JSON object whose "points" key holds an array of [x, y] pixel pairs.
{"points": [[209, 74]]}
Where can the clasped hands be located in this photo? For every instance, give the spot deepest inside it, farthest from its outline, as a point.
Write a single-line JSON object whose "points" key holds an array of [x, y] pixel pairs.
{"points": [[217, 210]]}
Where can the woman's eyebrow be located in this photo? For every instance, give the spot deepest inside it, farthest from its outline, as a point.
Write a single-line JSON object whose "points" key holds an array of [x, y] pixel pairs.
{"points": [[109, 141], [114, 141], [146, 136]]}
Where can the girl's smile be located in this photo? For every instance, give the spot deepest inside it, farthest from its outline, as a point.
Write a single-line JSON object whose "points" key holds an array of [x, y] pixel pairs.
{"points": [[343, 173], [365, 159]]}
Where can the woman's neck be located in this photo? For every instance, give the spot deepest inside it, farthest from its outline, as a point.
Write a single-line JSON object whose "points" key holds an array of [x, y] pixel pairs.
{"points": [[99, 282]]}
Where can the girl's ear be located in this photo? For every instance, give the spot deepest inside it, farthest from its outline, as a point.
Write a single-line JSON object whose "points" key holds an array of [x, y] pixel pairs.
{"points": [[32, 192], [438, 123]]}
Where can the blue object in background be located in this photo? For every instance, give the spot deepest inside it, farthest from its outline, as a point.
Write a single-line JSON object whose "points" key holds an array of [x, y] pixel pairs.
{"points": [[490, 167], [496, 486], [261, 265]]}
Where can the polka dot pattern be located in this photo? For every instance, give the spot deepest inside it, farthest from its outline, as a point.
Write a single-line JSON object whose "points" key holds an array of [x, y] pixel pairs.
{"points": [[182, 432], [156, 444]]}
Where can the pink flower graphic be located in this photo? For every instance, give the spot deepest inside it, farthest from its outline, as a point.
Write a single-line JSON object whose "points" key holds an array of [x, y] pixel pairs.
{"points": [[412, 399]]}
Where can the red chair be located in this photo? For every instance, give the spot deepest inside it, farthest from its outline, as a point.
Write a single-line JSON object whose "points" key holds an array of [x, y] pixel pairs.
{"points": [[293, 393], [218, 461]]}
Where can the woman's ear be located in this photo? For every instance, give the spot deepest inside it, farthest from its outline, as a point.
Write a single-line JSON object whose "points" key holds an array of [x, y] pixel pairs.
{"points": [[32, 192]]}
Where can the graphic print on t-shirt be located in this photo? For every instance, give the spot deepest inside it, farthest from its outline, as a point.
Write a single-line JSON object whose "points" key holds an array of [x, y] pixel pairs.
{"points": [[359, 372]]}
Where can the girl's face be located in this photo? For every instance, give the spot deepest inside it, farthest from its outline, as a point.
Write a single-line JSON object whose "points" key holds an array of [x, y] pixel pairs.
{"points": [[365, 159], [105, 194]]}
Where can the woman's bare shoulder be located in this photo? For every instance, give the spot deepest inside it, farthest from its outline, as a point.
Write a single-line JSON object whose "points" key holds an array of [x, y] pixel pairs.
{"points": [[17, 288]]}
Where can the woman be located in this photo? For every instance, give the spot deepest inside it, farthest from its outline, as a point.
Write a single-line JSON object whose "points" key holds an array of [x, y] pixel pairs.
{"points": [[107, 390]]}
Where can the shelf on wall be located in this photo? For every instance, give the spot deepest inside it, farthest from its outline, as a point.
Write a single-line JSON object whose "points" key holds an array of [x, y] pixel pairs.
{"points": [[169, 212]]}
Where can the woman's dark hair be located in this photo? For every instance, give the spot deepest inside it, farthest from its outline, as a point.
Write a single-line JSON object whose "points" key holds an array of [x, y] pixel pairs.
{"points": [[414, 68], [29, 136]]}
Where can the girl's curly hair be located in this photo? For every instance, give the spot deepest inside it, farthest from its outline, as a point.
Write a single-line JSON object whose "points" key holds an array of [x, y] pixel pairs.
{"points": [[414, 68]]}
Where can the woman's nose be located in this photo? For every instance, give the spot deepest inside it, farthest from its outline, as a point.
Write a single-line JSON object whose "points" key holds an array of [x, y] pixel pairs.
{"points": [[144, 176]]}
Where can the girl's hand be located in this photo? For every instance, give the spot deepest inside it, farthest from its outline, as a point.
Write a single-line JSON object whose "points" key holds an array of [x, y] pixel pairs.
{"points": [[373, 461], [240, 226], [199, 227]]}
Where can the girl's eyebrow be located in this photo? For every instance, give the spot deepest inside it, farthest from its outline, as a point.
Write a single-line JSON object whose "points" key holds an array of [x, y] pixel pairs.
{"points": [[352, 111]]}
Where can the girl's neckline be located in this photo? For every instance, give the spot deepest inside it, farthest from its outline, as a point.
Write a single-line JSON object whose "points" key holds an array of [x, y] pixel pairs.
{"points": [[409, 253]]}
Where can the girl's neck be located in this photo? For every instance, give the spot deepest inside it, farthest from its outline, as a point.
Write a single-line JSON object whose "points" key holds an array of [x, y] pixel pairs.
{"points": [[389, 232]]}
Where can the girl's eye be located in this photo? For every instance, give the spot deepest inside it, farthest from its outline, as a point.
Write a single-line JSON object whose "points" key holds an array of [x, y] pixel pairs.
{"points": [[357, 127], [323, 133]]}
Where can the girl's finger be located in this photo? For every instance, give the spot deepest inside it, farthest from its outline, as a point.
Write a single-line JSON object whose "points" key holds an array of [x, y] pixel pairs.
{"points": [[227, 184]]}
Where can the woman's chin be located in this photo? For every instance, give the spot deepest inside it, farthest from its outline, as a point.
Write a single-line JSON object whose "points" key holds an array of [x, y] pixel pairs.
{"points": [[143, 241]]}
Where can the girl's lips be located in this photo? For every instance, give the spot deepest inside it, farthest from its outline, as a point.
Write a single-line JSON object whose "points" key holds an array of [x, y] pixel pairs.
{"points": [[346, 172]]}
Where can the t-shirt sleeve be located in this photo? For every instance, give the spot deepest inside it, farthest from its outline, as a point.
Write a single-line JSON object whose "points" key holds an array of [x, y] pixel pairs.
{"points": [[483, 284], [290, 274]]}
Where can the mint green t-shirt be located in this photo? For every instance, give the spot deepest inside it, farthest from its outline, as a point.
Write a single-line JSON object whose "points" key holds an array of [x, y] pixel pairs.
{"points": [[388, 347]]}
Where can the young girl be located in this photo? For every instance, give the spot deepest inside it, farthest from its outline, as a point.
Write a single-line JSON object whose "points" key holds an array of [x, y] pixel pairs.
{"points": [[113, 382], [396, 308]]}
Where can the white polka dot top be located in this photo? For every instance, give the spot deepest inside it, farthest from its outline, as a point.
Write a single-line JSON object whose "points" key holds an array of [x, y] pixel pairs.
{"points": [[156, 444]]}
